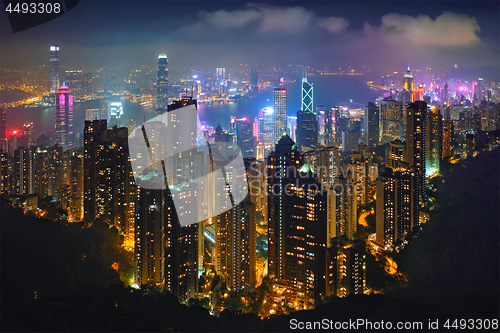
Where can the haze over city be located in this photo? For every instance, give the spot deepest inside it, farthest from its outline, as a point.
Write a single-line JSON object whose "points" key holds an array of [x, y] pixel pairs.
{"points": [[250, 166]]}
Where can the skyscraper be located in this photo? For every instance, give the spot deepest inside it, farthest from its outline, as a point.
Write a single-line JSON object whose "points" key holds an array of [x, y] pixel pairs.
{"points": [[448, 137], [109, 190], [342, 207], [416, 151], [418, 93], [434, 141], [283, 164], [392, 117], [245, 137], [3, 124], [254, 86], [150, 237], [64, 118], [54, 70], [307, 130], [408, 87], [346, 273], [162, 82], [371, 126], [305, 237], [266, 128], [307, 95], [395, 155], [350, 141], [279, 114], [397, 206]]}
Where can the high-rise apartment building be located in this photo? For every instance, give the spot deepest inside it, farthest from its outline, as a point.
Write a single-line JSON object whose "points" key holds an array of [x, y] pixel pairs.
{"points": [[350, 140], [397, 206], [395, 155], [342, 207], [279, 119], [305, 238], [109, 190], [346, 271], [371, 126], [448, 137], [391, 119], [416, 151]]}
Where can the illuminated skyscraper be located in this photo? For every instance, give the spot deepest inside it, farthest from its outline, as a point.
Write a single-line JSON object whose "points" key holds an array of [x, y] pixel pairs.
{"points": [[392, 117], [418, 93], [395, 155], [307, 130], [150, 237], [291, 127], [279, 114], [434, 141], [54, 70], [307, 95], [371, 126], [64, 118], [162, 82], [408, 87], [266, 128], [346, 273], [416, 151], [397, 206], [342, 208], [115, 114], [109, 189], [305, 237]]}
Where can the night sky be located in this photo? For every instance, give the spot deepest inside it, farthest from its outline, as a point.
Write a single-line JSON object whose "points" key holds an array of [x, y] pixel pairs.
{"points": [[381, 35]]}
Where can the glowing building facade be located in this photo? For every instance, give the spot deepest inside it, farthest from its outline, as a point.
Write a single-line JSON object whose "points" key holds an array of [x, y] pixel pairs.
{"points": [[64, 118], [279, 114]]}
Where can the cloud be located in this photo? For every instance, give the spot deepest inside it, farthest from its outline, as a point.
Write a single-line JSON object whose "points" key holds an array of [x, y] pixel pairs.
{"points": [[269, 19], [236, 18], [448, 29], [289, 19], [333, 24]]}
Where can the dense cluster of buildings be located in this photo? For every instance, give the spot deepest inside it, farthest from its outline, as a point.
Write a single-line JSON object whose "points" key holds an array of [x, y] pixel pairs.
{"points": [[309, 175]]}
